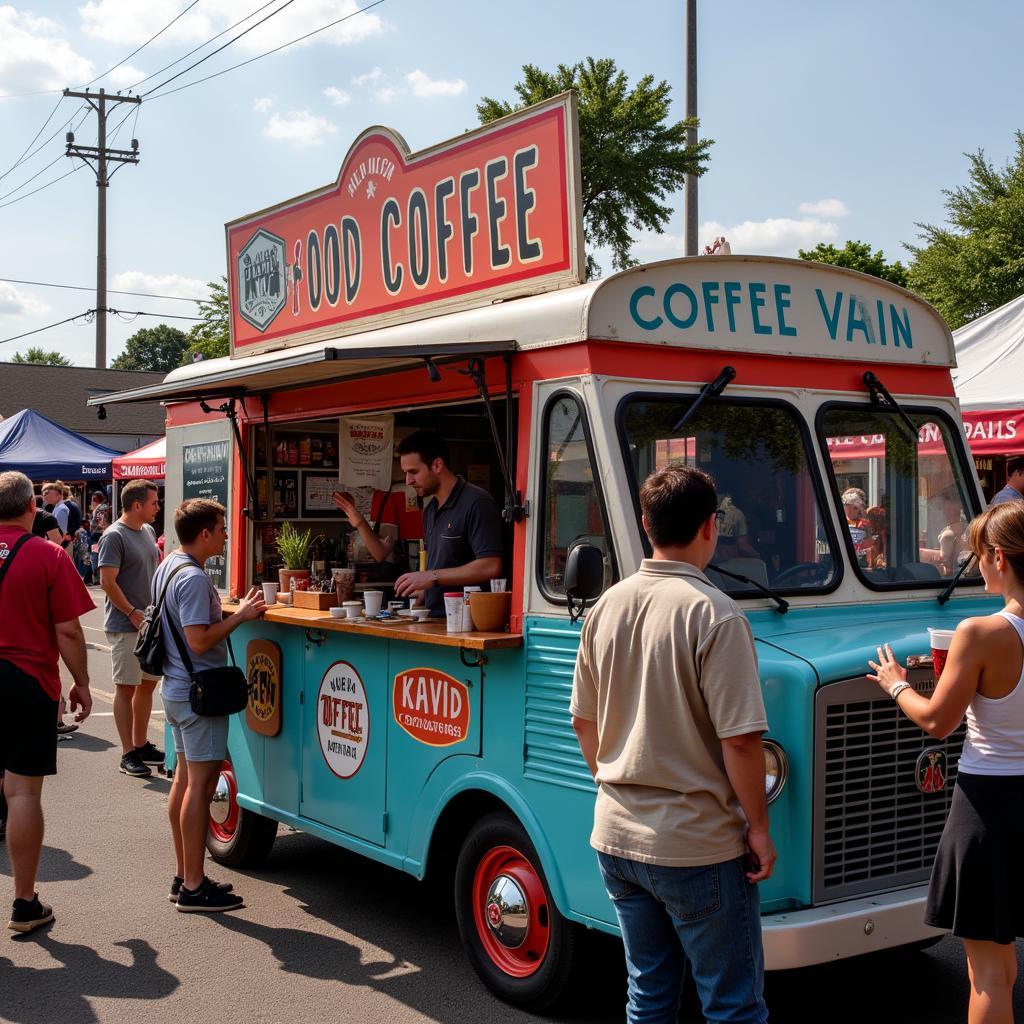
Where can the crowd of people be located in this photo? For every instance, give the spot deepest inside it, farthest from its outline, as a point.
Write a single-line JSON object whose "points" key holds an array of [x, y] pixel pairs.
{"points": [[671, 728]]}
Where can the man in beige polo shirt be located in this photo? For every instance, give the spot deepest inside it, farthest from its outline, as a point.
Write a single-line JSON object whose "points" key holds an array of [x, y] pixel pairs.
{"points": [[667, 707]]}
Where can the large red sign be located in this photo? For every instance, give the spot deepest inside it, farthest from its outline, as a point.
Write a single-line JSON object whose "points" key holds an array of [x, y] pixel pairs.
{"points": [[431, 706], [401, 236]]}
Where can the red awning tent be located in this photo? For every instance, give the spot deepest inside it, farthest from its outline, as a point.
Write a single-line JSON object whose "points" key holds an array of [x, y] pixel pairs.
{"points": [[146, 463], [990, 368]]}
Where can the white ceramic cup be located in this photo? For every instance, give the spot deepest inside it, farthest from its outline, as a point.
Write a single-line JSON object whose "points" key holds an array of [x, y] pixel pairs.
{"points": [[270, 592], [499, 586], [372, 601], [453, 605]]}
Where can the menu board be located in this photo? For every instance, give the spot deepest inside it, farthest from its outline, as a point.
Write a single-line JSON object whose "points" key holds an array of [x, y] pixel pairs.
{"points": [[205, 475]]}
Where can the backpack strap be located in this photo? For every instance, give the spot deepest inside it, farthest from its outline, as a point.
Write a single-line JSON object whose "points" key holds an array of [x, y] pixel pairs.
{"points": [[186, 660], [167, 582], [6, 563]]}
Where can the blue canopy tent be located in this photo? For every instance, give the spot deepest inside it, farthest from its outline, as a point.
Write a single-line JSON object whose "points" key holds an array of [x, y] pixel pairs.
{"points": [[40, 448]]}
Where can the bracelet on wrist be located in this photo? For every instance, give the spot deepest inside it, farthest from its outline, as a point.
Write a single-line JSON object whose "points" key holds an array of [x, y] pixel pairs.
{"points": [[898, 689]]}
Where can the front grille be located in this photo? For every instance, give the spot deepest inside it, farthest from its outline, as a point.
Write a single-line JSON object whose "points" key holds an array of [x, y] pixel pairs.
{"points": [[874, 829]]}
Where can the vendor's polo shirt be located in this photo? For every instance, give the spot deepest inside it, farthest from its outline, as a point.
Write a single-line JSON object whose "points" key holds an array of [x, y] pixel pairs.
{"points": [[466, 527], [667, 669]]}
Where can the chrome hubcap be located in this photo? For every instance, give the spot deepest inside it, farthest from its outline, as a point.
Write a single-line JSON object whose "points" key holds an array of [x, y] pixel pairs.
{"points": [[506, 912], [220, 804]]}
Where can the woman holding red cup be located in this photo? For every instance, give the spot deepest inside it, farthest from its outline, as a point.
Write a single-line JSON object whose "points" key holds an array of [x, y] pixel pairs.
{"points": [[977, 888]]}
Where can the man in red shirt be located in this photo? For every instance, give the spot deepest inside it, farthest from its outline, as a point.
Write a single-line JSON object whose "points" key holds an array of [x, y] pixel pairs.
{"points": [[41, 598]]}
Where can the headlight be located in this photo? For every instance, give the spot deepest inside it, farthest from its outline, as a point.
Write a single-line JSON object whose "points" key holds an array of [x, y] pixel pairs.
{"points": [[776, 769]]}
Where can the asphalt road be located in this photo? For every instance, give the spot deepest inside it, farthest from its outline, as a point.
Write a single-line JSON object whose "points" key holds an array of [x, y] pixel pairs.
{"points": [[325, 934]]}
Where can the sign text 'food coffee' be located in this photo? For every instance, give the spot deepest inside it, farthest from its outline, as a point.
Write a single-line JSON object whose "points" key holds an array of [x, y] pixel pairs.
{"points": [[401, 236]]}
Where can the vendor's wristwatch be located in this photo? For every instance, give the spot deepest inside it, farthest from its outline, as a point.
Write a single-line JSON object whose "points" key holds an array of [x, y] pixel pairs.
{"points": [[435, 576]]}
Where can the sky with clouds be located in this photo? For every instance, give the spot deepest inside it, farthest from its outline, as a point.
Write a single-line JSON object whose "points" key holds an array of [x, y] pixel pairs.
{"points": [[830, 121]]}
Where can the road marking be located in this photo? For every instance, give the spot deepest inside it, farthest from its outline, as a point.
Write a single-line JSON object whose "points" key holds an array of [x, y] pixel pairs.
{"points": [[90, 646]]}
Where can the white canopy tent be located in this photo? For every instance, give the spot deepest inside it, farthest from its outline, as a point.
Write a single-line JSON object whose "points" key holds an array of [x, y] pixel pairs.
{"points": [[990, 360]]}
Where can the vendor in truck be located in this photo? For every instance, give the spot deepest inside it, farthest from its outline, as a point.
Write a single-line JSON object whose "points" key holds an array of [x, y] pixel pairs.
{"points": [[461, 524]]}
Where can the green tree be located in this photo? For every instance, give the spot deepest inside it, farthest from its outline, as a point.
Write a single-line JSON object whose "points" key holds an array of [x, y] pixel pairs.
{"points": [[631, 156], [976, 264], [35, 354], [153, 348], [210, 338], [858, 256]]}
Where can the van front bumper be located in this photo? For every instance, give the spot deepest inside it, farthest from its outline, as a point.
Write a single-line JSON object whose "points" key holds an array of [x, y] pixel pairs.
{"points": [[800, 938]]}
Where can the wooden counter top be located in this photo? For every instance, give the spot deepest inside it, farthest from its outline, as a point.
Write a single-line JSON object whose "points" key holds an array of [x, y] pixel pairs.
{"points": [[431, 632]]}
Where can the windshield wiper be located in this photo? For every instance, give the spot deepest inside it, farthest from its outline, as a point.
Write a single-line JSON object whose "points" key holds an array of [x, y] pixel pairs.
{"points": [[710, 390], [881, 397], [781, 605], [948, 592]]}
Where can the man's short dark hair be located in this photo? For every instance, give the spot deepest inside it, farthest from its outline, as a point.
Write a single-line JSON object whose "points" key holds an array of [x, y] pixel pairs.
{"points": [[136, 491], [675, 501], [1014, 465], [427, 444], [195, 515]]}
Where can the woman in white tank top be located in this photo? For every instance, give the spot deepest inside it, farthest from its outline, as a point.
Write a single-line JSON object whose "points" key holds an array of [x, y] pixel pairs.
{"points": [[977, 888]]}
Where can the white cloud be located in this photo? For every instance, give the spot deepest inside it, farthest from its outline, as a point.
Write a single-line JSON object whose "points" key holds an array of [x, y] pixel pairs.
{"points": [[425, 87], [832, 208], [775, 236], [124, 76], [338, 97], [299, 127], [386, 93], [159, 284], [132, 22], [34, 54], [263, 104], [15, 302], [369, 78]]}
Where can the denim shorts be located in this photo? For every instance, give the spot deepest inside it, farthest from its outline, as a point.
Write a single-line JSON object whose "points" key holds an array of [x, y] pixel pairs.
{"points": [[707, 917], [198, 737]]}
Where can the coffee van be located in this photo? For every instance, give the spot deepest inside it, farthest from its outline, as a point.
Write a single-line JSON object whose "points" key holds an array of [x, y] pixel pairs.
{"points": [[452, 754]]}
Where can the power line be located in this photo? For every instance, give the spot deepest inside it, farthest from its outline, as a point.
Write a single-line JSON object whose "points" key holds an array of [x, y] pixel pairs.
{"points": [[92, 312], [28, 156], [48, 327], [22, 95], [83, 288], [143, 46], [34, 137], [135, 313], [217, 74], [41, 187], [167, 67], [28, 181], [213, 53]]}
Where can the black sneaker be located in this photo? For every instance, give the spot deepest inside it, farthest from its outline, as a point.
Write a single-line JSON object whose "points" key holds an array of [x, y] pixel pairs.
{"points": [[207, 899], [27, 915], [131, 764], [149, 754], [179, 882]]}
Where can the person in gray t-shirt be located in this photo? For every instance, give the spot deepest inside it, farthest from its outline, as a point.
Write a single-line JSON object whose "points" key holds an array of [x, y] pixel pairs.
{"points": [[128, 557], [1014, 489], [192, 614]]}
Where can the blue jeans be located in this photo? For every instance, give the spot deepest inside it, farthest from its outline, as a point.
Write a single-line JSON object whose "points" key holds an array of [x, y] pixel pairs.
{"points": [[708, 917]]}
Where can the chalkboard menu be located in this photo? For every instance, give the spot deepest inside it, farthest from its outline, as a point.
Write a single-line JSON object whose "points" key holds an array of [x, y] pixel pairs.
{"points": [[205, 475]]}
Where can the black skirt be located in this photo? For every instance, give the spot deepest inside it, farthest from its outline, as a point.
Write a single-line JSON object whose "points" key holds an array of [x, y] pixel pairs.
{"points": [[977, 886]]}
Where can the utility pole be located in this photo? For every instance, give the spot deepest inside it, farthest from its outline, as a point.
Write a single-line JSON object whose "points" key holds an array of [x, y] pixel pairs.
{"points": [[690, 187], [98, 157]]}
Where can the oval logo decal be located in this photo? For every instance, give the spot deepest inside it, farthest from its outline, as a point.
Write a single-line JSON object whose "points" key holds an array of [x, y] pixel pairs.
{"points": [[431, 706], [343, 719]]}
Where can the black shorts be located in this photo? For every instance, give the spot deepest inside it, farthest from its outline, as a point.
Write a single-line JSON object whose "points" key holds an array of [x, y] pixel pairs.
{"points": [[28, 725]]}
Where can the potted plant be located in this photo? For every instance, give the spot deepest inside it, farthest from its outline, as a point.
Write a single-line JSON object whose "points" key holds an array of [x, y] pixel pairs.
{"points": [[293, 546]]}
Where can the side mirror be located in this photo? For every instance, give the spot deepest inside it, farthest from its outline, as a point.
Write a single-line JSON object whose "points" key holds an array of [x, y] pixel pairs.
{"points": [[584, 577]]}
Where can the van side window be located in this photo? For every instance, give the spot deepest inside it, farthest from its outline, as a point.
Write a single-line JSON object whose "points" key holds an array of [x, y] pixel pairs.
{"points": [[572, 512]]}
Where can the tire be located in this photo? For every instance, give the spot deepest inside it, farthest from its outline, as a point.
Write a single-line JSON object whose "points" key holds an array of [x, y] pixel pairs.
{"points": [[527, 959], [237, 837]]}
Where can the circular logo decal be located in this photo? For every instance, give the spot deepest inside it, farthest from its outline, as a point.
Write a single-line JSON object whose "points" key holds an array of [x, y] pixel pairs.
{"points": [[343, 719]]}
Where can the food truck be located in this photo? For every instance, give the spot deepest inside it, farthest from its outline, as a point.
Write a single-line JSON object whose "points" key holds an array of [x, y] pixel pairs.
{"points": [[445, 290]]}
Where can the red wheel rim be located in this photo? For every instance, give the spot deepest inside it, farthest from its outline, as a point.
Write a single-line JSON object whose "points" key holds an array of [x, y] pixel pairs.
{"points": [[515, 943], [224, 831]]}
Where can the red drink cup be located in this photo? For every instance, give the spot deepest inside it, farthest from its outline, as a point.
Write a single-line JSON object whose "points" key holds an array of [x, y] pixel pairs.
{"points": [[940, 641]]}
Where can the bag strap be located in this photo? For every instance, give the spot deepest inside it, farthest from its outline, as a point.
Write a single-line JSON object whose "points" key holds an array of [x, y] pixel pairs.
{"points": [[167, 582], [6, 564], [186, 660]]}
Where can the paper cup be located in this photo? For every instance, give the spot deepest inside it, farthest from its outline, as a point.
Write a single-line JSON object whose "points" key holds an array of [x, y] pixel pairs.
{"points": [[467, 618], [353, 609], [499, 586], [372, 601], [940, 641], [453, 607], [270, 592]]}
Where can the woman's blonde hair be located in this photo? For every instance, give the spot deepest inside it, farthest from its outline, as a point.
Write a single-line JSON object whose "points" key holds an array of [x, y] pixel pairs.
{"points": [[1002, 526]]}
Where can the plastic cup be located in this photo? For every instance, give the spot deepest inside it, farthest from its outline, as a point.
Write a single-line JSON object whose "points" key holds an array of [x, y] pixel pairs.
{"points": [[499, 586], [940, 641], [453, 606], [270, 592], [353, 609], [467, 619], [372, 600]]}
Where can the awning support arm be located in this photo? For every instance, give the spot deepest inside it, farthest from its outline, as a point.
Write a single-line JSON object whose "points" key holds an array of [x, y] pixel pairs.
{"points": [[228, 408], [514, 510]]}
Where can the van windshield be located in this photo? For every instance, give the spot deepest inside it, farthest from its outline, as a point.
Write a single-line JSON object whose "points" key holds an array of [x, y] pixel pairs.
{"points": [[772, 528], [905, 499]]}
